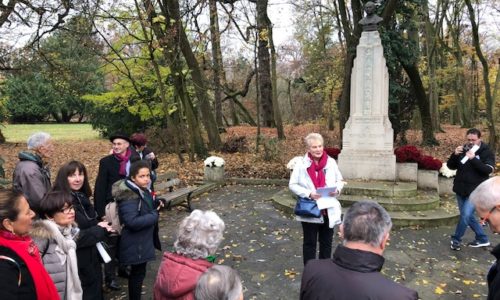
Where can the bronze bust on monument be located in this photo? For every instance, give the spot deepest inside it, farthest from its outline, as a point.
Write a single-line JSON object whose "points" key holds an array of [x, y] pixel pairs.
{"points": [[370, 21]]}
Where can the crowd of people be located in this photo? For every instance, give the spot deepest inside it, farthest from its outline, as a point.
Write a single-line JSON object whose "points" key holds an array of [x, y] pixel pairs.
{"points": [[54, 240]]}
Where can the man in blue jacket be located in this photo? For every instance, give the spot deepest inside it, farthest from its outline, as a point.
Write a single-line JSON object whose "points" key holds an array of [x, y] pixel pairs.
{"points": [[474, 163]]}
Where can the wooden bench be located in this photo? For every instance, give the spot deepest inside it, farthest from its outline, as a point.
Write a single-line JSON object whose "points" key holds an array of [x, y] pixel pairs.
{"points": [[179, 196]]}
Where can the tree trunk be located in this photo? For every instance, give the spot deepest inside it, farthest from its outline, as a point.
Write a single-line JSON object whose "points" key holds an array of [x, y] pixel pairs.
{"points": [[197, 76], [423, 104], [170, 43], [163, 91], [264, 71], [352, 39], [277, 112], [487, 90], [430, 43], [216, 60]]}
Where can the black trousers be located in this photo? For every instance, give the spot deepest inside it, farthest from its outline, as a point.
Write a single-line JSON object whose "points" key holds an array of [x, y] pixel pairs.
{"points": [[137, 274], [312, 233], [110, 268]]}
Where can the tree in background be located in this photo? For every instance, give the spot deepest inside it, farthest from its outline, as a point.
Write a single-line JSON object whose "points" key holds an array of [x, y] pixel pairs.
{"points": [[51, 80]]}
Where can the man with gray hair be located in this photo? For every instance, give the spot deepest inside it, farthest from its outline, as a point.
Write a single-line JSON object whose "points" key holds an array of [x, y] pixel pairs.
{"points": [[219, 282], [354, 270], [32, 175], [486, 199]]}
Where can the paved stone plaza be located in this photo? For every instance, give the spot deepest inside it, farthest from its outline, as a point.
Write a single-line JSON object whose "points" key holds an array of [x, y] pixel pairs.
{"points": [[265, 246]]}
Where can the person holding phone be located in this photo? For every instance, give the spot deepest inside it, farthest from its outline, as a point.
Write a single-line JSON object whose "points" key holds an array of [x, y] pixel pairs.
{"points": [[316, 170], [473, 167]]}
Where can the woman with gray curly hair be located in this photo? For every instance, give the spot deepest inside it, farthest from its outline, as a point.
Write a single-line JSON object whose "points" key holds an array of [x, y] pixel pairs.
{"points": [[198, 238]]}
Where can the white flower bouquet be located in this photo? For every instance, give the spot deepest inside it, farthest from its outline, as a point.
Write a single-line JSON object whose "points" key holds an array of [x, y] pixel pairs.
{"points": [[444, 171], [214, 161], [291, 164]]}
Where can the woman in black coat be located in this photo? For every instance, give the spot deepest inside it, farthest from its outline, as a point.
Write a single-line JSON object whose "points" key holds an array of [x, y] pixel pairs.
{"points": [[72, 178]]}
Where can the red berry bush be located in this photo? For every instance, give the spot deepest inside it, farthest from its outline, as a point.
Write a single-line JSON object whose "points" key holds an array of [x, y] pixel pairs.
{"points": [[333, 152], [410, 153]]}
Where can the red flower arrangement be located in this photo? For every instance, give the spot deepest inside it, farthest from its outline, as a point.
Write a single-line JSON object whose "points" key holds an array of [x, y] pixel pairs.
{"points": [[410, 153], [407, 153], [427, 162], [333, 152]]}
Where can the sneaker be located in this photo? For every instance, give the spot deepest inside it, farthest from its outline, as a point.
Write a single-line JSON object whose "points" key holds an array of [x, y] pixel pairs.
{"points": [[455, 246], [477, 244]]}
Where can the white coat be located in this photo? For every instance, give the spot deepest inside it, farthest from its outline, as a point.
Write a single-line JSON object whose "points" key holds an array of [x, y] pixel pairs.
{"points": [[301, 185]]}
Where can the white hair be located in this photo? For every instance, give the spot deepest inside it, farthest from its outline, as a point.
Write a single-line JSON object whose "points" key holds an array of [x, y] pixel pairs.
{"points": [[218, 282], [313, 137], [487, 194], [37, 139], [199, 234]]}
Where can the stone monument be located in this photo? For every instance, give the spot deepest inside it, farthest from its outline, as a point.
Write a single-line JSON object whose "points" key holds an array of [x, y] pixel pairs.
{"points": [[367, 151]]}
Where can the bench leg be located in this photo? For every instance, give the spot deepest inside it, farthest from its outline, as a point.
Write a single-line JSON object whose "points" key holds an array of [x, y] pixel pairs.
{"points": [[188, 202], [189, 207]]}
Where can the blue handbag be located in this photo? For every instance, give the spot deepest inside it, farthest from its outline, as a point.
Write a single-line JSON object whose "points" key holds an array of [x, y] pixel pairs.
{"points": [[306, 207]]}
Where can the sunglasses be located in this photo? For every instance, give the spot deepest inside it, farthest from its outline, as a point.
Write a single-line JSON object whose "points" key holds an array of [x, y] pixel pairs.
{"points": [[486, 220]]}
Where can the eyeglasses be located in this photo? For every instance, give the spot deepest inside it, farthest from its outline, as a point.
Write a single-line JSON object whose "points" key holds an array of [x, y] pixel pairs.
{"points": [[67, 210], [486, 220]]}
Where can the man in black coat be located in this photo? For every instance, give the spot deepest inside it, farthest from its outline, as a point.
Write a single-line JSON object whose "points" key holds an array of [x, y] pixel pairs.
{"points": [[112, 168], [474, 163], [486, 199], [354, 270]]}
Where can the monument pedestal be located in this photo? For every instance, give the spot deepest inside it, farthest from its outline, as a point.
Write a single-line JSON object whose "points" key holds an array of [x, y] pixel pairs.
{"points": [[367, 139]]}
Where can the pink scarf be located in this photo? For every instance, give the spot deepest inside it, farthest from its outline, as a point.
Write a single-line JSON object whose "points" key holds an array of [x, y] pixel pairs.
{"points": [[316, 172], [123, 159]]}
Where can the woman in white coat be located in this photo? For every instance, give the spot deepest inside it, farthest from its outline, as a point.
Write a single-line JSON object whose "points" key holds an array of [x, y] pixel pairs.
{"points": [[317, 170]]}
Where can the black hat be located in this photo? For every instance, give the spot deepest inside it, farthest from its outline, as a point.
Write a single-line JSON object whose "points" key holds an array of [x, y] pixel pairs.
{"points": [[119, 135]]}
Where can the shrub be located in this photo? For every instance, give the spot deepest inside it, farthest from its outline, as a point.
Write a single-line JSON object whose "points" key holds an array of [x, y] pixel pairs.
{"points": [[333, 152], [407, 153], [427, 162], [235, 143]]}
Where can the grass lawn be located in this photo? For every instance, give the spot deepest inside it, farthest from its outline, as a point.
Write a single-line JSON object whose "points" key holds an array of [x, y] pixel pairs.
{"points": [[15, 133]]}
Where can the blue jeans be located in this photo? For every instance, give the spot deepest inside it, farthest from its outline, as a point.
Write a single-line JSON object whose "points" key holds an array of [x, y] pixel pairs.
{"points": [[467, 218]]}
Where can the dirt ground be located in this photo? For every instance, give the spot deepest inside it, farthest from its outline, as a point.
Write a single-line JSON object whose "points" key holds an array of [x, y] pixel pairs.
{"points": [[249, 164]]}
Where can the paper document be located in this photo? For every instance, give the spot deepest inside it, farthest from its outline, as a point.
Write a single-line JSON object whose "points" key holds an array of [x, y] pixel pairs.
{"points": [[325, 192], [327, 202]]}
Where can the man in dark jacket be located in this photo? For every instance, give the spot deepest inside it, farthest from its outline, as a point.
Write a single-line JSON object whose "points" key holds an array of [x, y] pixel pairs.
{"points": [[486, 199], [474, 163], [112, 168], [354, 271], [32, 175]]}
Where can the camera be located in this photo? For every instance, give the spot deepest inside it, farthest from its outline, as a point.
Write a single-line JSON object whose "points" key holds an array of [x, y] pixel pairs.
{"points": [[468, 146]]}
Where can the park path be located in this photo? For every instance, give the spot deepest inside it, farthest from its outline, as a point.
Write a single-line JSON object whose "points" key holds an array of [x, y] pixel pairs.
{"points": [[265, 246]]}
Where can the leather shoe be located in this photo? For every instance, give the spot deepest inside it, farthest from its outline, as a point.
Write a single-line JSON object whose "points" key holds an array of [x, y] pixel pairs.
{"points": [[112, 285]]}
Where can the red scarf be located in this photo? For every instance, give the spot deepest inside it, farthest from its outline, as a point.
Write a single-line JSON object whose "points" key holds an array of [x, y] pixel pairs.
{"points": [[123, 159], [26, 249], [316, 172]]}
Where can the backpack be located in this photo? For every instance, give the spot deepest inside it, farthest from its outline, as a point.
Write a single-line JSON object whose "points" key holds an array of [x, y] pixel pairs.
{"points": [[111, 213]]}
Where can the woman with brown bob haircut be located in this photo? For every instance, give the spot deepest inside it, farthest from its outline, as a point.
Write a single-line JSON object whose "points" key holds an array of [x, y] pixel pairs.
{"points": [[72, 179]]}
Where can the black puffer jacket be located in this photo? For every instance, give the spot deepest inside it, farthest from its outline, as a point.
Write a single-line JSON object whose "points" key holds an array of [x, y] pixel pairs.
{"points": [[473, 172]]}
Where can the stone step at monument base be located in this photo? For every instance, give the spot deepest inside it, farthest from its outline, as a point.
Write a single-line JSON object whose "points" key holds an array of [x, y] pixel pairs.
{"points": [[444, 215], [423, 200], [380, 188]]}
